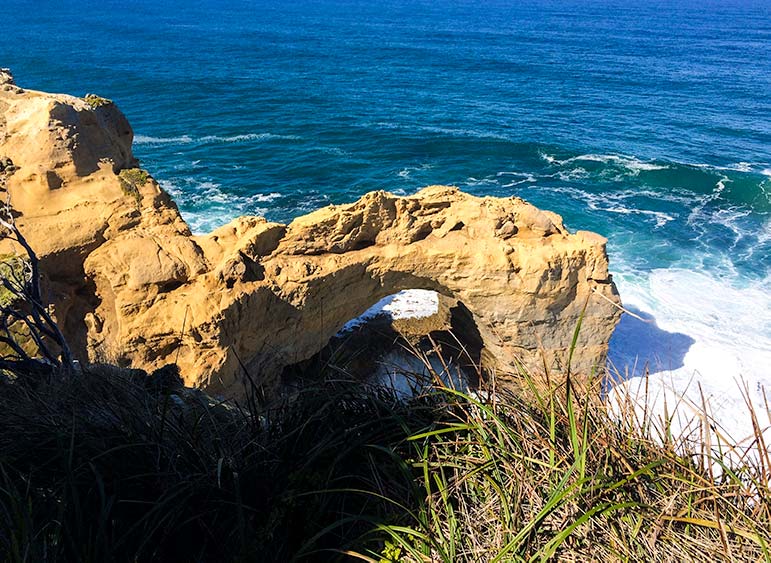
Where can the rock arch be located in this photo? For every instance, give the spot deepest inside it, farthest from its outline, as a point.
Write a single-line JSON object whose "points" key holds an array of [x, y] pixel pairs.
{"points": [[125, 271], [523, 277]]}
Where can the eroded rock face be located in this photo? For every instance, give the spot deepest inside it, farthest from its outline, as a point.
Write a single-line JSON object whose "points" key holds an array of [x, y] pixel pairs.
{"points": [[131, 285]]}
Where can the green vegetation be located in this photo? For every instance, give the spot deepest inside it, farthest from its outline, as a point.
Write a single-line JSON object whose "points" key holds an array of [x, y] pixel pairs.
{"points": [[13, 270], [113, 465], [131, 179], [96, 101]]}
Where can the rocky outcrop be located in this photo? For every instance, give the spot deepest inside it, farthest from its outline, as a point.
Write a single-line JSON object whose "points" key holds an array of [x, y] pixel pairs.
{"points": [[130, 284]]}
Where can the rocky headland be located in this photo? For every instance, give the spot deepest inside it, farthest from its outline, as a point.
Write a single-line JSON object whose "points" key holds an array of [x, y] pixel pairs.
{"points": [[131, 285]]}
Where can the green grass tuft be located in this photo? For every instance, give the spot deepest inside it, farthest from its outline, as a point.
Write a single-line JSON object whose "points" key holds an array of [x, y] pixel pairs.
{"points": [[96, 101], [131, 179]]}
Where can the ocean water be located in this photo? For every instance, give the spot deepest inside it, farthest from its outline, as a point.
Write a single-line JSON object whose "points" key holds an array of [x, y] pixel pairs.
{"points": [[649, 122]]}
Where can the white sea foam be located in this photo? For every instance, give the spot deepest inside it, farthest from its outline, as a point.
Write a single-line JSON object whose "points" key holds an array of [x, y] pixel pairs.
{"points": [[697, 213], [735, 167], [764, 235], [407, 304], [265, 197], [407, 171], [660, 217], [743, 166], [475, 182], [703, 340], [207, 207], [335, 151], [526, 175], [631, 163], [187, 139], [671, 195], [522, 178], [455, 132], [475, 133], [147, 140], [576, 173], [635, 165], [614, 202], [746, 167], [710, 210], [246, 137]]}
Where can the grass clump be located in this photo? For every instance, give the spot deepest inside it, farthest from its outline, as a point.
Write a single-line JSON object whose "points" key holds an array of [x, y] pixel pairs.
{"points": [[556, 478], [96, 101], [107, 465], [104, 467], [131, 179]]}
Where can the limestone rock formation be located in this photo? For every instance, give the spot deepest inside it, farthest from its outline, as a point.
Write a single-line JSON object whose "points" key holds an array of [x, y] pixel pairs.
{"points": [[130, 284]]}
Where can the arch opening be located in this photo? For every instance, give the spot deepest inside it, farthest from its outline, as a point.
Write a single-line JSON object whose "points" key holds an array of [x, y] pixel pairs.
{"points": [[405, 342]]}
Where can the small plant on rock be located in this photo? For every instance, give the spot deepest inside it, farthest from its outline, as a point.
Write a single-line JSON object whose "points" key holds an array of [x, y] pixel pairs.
{"points": [[131, 179], [96, 101]]}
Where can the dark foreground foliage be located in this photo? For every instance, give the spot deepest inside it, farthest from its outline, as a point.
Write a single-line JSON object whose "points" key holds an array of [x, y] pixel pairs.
{"points": [[98, 468], [108, 466]]}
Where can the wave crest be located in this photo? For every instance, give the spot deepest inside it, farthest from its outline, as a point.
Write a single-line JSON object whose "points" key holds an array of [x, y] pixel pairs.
{"points": [[187, 139]]}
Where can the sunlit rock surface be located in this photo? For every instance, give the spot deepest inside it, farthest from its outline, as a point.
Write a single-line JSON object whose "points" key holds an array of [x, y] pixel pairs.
{"points": [[131, 285]]}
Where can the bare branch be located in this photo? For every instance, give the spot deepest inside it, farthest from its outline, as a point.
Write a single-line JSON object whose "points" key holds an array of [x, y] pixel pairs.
{"points": [[27, 307]]}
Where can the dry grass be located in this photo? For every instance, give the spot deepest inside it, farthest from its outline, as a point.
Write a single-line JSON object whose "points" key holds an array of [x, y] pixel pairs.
{"points": [[113, 465], [560, 478]]}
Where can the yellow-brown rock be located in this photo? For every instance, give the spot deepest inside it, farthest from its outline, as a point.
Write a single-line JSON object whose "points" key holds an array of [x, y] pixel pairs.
{"points": [[130, 284]]}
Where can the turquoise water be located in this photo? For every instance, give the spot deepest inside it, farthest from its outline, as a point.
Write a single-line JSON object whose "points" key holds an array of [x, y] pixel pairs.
{"points": [[647, 122]]}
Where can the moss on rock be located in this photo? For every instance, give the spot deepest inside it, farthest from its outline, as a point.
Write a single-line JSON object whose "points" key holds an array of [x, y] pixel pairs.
{"points": [[13, 269]]}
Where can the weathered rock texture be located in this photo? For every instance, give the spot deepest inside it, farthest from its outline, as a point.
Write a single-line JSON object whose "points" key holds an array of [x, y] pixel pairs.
{"points": [[130, 284]]}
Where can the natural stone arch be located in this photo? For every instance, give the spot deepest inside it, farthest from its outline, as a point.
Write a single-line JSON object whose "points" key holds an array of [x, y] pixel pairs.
{"points": [[525, 280], [132, 285]]}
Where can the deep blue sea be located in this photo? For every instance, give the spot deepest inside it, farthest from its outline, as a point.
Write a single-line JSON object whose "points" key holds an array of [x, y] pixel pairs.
{"points": [[649, 122]]}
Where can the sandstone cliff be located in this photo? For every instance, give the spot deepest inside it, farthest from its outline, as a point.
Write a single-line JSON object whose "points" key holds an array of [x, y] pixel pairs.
{"points": [[130, 284]]}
